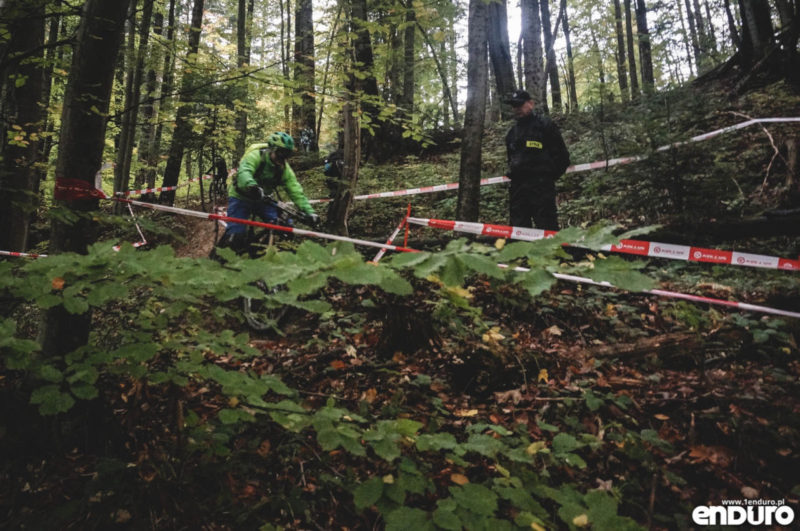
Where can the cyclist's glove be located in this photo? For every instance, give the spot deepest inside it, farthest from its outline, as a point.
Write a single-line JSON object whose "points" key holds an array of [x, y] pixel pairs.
{"points": [[256, 193]]}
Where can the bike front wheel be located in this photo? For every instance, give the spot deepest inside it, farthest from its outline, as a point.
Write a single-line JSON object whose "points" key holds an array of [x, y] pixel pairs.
{"points": [[263, 314]]}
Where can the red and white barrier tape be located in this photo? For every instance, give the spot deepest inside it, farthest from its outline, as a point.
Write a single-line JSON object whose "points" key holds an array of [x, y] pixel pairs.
{"points": [[87, 191], [576, 167], [129, 193], [22, 255], [636, 247], [675, 295], [281, 228]]}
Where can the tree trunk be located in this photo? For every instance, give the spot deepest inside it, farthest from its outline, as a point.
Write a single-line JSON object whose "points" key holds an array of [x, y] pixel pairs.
{"points": [[304, 113], [757, 36], [551, 70], [21, 118], [573, 91], [339, 209], [470, 172], [645, 55], [369, 85], [183, 129], [443, 72], [53, 57], [148, 150], [409, 42], [622, 74], [131, 106], [631, 53], [533, 60], [83, 127], [702, 36], [737, 41], [167, 86], [686, 39], [500, 52], [243, 37]]}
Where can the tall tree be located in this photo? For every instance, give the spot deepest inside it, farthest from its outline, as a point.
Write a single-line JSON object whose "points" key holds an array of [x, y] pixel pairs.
{"points": [[304, 111], [352, 131], [686, 38], [132, 96], [21, 118], [551, 69], [183, 128], [533, 60], [645, 53], [500, 50], [469, 176], [409, 58], [166, 102], [573, 91], [622, 73], [148, 151], [244, 19], [80, 150], [702, 36], [631, 53]]}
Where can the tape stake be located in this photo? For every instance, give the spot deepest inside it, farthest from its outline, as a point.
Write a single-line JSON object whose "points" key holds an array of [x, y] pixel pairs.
{"points": [[634, 247], [390, 240]]}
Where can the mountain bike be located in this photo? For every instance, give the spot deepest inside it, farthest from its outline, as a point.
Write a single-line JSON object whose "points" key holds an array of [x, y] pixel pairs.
{"points": [[266, 313]]}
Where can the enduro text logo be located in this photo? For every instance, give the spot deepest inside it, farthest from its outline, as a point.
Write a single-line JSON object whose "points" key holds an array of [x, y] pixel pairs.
{"points": [[738, 512]]}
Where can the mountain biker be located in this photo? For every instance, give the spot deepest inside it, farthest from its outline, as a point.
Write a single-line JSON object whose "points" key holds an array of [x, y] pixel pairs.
{"points": [[263, 168]]}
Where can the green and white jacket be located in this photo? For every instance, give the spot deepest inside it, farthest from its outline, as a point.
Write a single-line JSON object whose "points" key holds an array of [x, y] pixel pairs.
{"points": [[256, 169]]}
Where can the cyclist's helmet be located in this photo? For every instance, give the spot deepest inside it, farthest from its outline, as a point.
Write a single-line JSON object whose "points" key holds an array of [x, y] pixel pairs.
{"points": [[281, 140]]}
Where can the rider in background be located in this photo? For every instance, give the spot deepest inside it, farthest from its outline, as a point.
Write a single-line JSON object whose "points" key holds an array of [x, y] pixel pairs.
{"points": [[263, 168]]}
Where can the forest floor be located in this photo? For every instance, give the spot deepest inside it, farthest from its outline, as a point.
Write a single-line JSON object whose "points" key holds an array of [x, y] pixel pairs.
{"points": [[662, 405]]}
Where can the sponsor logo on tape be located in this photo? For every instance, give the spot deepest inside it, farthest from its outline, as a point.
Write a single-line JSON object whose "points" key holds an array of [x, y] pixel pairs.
{"points": [[755, 260], [502, 231], [680, 252], [522, 233], [465, 226], [632, 247], [711, 255]]}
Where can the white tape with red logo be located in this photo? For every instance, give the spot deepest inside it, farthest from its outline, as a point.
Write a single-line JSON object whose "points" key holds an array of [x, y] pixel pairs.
{"points": [[89, 192], [281, 228], [677, 295], [577, 167], [636, 247], [129, 193], [22, 255]]}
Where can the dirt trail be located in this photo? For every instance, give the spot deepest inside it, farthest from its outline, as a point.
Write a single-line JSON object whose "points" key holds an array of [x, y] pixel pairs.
{"points": [[200, 236]]}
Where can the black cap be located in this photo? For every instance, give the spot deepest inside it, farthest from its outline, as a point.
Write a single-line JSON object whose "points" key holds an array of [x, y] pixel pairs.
{"points": [[517, 98]]}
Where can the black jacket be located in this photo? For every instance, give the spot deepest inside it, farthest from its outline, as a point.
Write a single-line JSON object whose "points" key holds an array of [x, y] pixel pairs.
{"points": [[536, 149]]}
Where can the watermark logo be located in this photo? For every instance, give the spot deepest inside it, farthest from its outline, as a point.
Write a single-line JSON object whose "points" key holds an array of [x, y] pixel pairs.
{"points": [[740, 512]]}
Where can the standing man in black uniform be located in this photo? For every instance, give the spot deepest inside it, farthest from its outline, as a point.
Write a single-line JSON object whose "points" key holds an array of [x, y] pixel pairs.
{"points": [[537, 156]]}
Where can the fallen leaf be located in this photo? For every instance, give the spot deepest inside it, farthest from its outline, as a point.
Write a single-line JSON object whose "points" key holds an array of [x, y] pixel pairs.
{"points": [[466, 412], [499, 243], [122, 516], [264, 448], [661, 416], [388, 479], [581, 521], [370, 395], [58, 283], [459, 479], [493, 335], [543, 376], [749, 492], [553, 331], [338, 364]]}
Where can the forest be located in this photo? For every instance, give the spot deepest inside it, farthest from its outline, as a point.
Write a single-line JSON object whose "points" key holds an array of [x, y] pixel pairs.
{"points": [[637, 369]]}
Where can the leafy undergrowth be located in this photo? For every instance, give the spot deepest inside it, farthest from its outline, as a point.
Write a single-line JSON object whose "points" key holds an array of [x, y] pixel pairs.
{"points": [[435, 391]]}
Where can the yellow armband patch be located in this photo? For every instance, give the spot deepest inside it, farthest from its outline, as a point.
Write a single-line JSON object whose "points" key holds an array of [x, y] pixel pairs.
{"points": [[533, 144]]}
